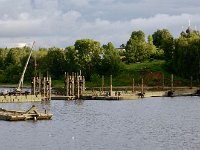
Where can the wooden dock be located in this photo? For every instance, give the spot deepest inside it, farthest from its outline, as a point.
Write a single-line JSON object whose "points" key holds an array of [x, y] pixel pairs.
{"points": [[20, 98], [60, 97], [30, 114]]}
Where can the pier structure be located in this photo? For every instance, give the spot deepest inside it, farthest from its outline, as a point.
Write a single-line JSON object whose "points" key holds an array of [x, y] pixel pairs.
{"points": [[74, 85], [40, 90], [41, 86]]}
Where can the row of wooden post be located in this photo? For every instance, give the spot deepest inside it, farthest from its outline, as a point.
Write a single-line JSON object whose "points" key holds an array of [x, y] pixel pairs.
{"points": [[74, 85], [41, 86], [142, 84]]}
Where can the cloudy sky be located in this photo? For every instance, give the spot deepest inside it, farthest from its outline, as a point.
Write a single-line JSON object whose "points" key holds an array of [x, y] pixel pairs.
{"points": [[61, 22]]}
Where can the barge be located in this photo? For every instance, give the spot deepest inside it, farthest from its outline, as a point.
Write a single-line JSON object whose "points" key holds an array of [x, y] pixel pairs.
{"points": [[30, 114], [40, 88]]}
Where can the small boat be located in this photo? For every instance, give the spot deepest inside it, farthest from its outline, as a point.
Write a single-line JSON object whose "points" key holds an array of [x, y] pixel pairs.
{"points": [[30, 114]]}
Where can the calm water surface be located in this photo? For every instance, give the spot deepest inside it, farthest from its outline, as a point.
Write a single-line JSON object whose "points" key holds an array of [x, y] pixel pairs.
{"points": [[148, 124]]}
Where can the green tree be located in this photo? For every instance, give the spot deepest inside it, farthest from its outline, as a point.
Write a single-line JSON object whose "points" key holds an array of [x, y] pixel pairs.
{"points": [[163, 39], [11, 74], [153, 51], [3, 54], [136, 47], [88, 55], [14, 63], [56, 61], [40, 56], [72, 64], [15, 55], [111, 63], [186, 61]]}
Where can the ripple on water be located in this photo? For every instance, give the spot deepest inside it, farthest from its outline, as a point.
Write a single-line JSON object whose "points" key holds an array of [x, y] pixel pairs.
{"points": [[151, 123]]}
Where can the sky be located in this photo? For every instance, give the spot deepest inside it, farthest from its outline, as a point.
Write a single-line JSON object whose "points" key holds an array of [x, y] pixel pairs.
{"points": [[60, 23]]}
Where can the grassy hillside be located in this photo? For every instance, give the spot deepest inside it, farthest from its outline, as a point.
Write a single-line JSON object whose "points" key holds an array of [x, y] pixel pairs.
{"points": [[152, 73]]}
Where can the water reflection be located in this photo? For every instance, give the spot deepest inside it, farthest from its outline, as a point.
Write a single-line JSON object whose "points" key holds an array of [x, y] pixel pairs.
{"points": [[79, 102]]}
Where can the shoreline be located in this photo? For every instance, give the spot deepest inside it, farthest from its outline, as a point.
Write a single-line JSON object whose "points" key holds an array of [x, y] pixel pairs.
{"points": [[12, 86], [129, 95]]}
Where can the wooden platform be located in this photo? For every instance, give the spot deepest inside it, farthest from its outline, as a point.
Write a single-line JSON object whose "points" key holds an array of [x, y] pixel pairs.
{"points": [[30, 114], [60, 97], [20, 98]]}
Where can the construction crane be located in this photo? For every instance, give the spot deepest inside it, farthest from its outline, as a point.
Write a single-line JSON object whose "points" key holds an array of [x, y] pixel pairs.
{"points": [[19, 88]]}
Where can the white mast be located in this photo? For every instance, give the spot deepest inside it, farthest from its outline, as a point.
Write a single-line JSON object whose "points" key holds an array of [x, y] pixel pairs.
{"points": [[25, 67]]}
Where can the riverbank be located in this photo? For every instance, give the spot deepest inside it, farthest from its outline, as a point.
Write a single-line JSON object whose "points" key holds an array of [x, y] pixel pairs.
{"points": [[12, 86]]}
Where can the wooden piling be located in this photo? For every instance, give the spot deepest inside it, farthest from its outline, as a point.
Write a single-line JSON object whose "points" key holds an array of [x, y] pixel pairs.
{"points": [[142, 88], [72, 84], [110, 85], [163, 81], [83, 84], [67, 85], [49, 88], [172, 82], [39, 86], [44, 87], [102, 84], [34, 84], [133, 86]]}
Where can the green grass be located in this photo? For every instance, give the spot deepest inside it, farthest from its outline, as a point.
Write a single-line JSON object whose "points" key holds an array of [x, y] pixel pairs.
{"points": [[58, 83], [130, 71], [156, 65], [136, 71]]}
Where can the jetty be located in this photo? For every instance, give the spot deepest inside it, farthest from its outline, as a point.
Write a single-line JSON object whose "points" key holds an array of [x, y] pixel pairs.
{"points": [[30, 114], [40, 88], [75, 89]]}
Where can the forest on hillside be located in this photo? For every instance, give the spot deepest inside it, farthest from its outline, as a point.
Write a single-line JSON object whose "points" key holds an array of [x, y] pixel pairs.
{"points": [[181, 55]]}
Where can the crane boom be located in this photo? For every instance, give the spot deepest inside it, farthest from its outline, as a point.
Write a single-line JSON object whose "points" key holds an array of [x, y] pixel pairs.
{"points": [[25, 67]]}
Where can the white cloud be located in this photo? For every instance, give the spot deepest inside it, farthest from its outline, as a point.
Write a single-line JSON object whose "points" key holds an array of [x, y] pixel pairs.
{"points": [[21, 45], [60, 22]]}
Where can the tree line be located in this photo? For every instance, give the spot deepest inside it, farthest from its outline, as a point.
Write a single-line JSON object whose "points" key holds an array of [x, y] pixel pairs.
{"points": [[182, 56]]}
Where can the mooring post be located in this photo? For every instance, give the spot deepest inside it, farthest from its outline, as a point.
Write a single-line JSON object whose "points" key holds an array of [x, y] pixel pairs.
{"points": [[191, 80], [142, 88], [39, 86], [133, 86], [163, 81], [110, 85], [67, 84], [102, 84], [172, 82], [33, 85], [73, 84], [83, 84], [44, 86], [49, 88], [78, 87]]}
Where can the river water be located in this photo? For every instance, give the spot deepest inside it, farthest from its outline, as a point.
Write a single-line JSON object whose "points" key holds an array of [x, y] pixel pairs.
{"points": [[147, 124]]}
